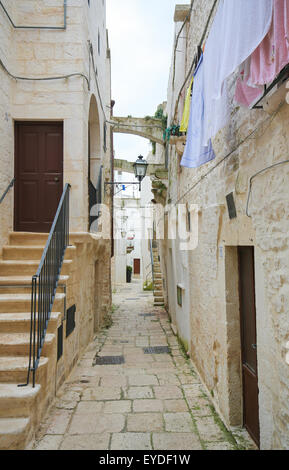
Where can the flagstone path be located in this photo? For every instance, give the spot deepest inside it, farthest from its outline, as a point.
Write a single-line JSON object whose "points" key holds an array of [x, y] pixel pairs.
{"points": [[149, 402]]}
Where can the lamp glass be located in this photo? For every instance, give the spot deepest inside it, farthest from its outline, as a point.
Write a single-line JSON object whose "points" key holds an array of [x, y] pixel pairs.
{"points": [[140, 168]]}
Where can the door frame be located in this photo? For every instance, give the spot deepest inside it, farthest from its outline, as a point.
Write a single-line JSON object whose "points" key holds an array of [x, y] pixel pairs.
{"points": [[16, 125], [255, 439]]}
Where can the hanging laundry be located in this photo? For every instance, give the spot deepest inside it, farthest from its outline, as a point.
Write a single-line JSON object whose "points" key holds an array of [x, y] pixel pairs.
{"points": [[186, 114], [272, 55], [238, 28], [246, 95], [195, 154]]}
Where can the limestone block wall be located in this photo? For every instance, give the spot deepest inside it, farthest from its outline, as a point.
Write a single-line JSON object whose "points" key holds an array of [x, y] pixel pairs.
{"points": [[253, 141], [88, 288], [6, 129], [42, 53]]}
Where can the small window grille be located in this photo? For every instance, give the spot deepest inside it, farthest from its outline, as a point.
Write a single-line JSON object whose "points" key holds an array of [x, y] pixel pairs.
{"points": [[59, 342], [70, 320]]}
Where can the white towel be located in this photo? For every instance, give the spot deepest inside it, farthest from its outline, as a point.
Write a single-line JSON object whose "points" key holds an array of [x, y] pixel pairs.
{"points": [[238, 28]]}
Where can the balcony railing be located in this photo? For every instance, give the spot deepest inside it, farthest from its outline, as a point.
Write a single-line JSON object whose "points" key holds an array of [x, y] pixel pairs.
{"points": [[45, 282]]}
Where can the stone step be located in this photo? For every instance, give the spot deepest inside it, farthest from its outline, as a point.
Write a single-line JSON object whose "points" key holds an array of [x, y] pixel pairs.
{"points": [[20, 322], [21, 284], [157, 293], [30, 252], [28, 268], [159, 304], [17, 303], [14, 370], [18, 344], [13, 433], [27, 238], [18, 402], [158, 276], [156, 299]]}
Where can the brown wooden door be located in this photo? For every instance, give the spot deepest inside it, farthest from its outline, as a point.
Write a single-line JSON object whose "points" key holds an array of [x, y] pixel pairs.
{"points": [[39, 174], [249, 342], [136, 269]]}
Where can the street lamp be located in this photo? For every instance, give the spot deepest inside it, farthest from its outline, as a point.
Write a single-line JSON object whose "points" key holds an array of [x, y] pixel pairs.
{"points": [[140, 169]]}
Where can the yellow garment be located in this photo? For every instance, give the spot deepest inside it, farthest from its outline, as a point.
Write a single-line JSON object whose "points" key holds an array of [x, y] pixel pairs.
{"points": [[186, 114]]}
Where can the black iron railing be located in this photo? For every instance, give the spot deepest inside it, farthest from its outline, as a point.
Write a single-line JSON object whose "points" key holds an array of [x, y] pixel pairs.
{"points": [[10, 185], [45, 282], [152, 262]]}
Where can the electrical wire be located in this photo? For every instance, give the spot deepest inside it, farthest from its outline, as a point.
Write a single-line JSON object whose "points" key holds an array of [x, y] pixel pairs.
{"points": [[60, 28], [254, 176], [177, 40], [249, 136], [62, 77]]}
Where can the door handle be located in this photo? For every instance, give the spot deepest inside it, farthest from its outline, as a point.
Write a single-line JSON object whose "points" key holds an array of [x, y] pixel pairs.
{"points": [[254, 346], [56, 180]]}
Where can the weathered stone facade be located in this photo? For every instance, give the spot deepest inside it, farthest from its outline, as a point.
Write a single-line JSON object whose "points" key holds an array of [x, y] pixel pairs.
{"points": [[209, 322], [33, 60]]}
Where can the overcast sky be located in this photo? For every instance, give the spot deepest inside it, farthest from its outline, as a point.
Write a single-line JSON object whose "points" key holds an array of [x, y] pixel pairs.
{"points": [[141, 36]]}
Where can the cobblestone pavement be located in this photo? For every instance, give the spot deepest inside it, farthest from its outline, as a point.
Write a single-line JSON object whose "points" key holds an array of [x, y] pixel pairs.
{"points": [[151, 401]]}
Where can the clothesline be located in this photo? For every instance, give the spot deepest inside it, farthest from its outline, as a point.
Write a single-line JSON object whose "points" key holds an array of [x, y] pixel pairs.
{"points": [[251, 36]]}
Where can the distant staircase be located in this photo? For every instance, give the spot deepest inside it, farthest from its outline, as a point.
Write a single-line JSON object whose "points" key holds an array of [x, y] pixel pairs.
{"points": [[20, 406], [158, 278]]}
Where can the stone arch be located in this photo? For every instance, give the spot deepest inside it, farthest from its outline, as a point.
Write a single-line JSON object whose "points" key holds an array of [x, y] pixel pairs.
{"points": [[94, 140], [94, 161]]}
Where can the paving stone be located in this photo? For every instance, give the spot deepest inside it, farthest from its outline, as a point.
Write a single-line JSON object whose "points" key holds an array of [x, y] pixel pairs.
{"points": [[58, 422], [176, 441], [135, 405], [49, 443], [178, 422], [131, 441], [89, 407], [167, 392], [209, 430], [96, 423], [102, 393], [143, 380], [120, 406], [145, 422], [148, 405], [86, 442], [219, 446], [139, 392], [176, 406], [113, 381]]}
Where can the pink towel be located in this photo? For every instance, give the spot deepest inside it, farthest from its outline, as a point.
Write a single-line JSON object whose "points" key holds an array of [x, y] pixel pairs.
{"points": [[247, 95], [272, 54]]}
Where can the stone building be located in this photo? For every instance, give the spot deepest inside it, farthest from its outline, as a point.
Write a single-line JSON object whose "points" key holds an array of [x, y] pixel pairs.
{"points": [[241, 260], [55, 102]]}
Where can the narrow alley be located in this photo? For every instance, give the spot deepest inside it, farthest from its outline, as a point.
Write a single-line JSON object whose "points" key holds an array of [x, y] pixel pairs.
{"points": [[146, 400]]}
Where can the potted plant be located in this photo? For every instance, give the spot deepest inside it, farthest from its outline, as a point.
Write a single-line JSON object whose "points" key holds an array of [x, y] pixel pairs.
{"points": [[128, 274]]}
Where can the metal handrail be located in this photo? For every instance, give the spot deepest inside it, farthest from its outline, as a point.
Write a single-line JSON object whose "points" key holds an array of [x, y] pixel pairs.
{"points": [[45, 282], [152, 261], [10, 185]]}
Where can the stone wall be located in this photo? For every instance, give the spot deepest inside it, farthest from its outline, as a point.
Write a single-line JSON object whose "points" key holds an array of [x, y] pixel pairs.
{"points": [[41, 53], [6, 128], [255, 140]]}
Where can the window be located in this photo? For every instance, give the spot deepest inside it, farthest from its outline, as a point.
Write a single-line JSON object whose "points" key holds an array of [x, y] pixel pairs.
{"points": [[180, 296]]}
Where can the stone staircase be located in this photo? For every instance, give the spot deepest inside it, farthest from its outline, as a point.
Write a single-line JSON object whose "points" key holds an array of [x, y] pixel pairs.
{"points": [[158, 280], [20, 407]]}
